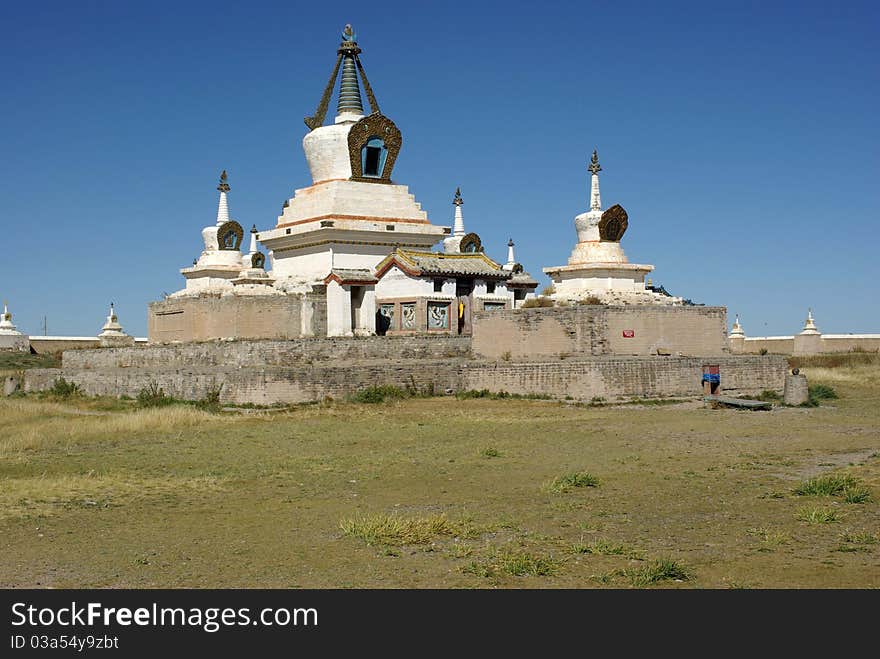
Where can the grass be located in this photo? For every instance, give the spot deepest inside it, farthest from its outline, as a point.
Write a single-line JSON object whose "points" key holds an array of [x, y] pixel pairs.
{"points": [[818, 515], [845, 485], [573, 480], [498, 395], [828, 485], [490, 452], [515, 563], [383, 529], [663, 569], [379, 394], [603, 547], [103, 493]]}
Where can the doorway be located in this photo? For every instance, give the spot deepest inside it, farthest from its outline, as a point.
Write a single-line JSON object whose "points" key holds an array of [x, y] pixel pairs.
{"points": [[463, 303]]}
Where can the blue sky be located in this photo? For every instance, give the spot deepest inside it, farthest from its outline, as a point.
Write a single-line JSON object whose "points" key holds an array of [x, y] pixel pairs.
{"points": [[741, 138]]}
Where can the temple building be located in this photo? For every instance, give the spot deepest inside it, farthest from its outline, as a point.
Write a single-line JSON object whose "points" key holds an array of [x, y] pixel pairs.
{"points": [[351, 254], [597, 268]]}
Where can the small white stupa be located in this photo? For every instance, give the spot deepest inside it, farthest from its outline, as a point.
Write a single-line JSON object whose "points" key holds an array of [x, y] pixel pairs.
{"points": [[597, 266], [737, 330], [10, 337], [810, 324], [112, 335]]}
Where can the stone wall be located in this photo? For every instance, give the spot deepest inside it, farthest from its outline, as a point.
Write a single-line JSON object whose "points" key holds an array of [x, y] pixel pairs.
{"points": [[245, 317], [597, 330], [265, 372], [626, 377], [261, 386], [249, 354]]}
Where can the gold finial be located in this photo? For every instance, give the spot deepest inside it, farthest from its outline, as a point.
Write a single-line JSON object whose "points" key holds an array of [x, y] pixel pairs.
{"points": [[224, 186], [595, 167]]}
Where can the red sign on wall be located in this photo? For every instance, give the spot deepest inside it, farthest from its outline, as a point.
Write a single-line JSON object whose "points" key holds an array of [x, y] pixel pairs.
{"points": [[628, 334]]}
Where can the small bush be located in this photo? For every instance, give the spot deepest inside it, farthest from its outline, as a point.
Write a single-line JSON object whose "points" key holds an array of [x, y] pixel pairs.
{"points": [[534, 302], [491, 452], [762, 351], [590, 299], [769, 396], [822, 392], [211, 401], [378, 394], [498, 395], [576, 479], [154, 396], [64, 389], [505, 356], [664, 569]]}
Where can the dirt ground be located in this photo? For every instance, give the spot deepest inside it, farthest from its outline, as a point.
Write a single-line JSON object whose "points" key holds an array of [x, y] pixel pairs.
{"points": [[440, 492]]}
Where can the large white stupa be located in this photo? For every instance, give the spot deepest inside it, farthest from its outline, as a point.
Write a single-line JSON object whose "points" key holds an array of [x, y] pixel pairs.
{"points": [[353, 214]]}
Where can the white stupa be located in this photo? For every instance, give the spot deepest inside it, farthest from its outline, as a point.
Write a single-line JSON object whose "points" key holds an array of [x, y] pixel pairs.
{"points": [[354, 214], [10, 337], [112, 335], [597, 266]]}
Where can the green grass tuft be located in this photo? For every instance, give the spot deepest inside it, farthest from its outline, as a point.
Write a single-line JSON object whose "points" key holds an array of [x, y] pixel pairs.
{"points": [[603, 547], [575, 479], [818, 515], [826, 486], [857, 494], [663, 569], [490, 452], [515, 564]]}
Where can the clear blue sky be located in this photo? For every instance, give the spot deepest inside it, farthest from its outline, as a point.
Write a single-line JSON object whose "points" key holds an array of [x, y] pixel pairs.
{"points": [[741, 137]]}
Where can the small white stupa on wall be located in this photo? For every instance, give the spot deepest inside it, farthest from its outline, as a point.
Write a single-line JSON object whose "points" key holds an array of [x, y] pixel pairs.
{"points": [[10, 337], [112, 335], [597, 267]]}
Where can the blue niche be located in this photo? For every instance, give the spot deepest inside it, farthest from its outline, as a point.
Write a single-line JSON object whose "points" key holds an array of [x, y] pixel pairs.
{"points": [[373, 156]]}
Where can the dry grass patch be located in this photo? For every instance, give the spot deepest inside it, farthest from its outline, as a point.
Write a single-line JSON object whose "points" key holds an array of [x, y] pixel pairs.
{"points": [[47, 495], [48, 425], [514, 563], [663, 569], [395, 530], [603, 547]]}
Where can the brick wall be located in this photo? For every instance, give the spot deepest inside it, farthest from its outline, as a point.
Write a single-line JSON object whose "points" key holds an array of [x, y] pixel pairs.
{"points": [[597, 330]]}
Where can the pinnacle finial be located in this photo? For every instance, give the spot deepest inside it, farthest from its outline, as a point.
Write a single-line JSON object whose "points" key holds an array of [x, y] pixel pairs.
{"points": [[224, 186], [458, 201], [254, 229], [348, 34], [510, 242], [595, 167]]}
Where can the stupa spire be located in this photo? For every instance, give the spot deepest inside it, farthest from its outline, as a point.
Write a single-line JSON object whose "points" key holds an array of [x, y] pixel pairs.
{"points": [[6, 318], [349, 89], [458, 202], [349, 106], [253, 248], [223, 206], [510, 258], [595, 168]]}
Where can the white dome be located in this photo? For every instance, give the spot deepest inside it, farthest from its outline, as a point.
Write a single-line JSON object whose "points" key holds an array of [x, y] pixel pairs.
{"points": [[326, 151]]}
